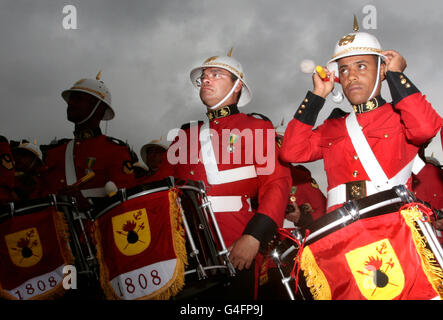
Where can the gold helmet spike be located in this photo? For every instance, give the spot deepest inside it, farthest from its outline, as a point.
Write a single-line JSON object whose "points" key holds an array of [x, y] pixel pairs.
{"points": [[99, 75], [355, 24], [230, 52]]}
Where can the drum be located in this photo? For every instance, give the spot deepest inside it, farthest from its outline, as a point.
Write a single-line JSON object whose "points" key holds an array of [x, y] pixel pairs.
{"points": [[159, 241], [378, 247], [41, 254]]}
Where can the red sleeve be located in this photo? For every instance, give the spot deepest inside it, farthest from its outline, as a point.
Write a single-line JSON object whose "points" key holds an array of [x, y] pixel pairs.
{"points": [[420, 120], [275, 185], [273, 192], [301, 143], [119, 168]]}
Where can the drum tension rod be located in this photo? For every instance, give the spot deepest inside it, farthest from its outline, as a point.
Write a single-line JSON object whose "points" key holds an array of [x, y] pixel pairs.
{"points": [[405, 195], [351, 209], [12, 208], [285, 280]]}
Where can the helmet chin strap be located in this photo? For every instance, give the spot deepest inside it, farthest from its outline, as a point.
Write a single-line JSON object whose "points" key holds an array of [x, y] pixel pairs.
{"points": [[378, 78], [226, 97], [90, 115]]}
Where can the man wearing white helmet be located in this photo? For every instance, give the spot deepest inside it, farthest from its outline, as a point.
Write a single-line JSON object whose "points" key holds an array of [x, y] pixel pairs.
{"points": [[370, 150], [84, 165], [28, 163], [394, 131], [223, 151], [152, 155]]}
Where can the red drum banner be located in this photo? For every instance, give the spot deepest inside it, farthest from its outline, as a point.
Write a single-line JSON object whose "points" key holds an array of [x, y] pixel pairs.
{"points": [[141, 248], [378, 258], [34, 250]]}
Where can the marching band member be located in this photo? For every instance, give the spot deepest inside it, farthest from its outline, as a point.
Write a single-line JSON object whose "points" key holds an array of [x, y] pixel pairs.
{"points": [[393, 132], [306, 201], [236, 156], [28, 163], [370, 150], [428, 186], [84, 165], [152, 155]]}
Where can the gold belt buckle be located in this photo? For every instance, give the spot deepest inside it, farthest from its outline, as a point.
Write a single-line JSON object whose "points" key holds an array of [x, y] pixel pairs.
{"points": [[355, 190]]}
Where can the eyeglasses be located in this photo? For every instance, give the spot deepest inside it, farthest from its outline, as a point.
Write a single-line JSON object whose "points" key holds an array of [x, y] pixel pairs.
{"points": [[212, 75]]}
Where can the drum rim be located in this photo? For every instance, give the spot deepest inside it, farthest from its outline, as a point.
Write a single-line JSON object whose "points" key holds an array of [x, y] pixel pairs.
{"points": [[22, 208], [123, 196], [355, 210]]}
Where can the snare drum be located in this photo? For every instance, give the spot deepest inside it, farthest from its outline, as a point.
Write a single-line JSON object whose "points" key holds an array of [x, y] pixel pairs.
{"points": [[378, 247], [39, 258], [158, 241]]}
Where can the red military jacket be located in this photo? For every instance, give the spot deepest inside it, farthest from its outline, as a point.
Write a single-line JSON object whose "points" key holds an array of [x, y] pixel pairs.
{"points": [[6, 171], [108, 158], [247, 169], [307, 192], [428, 185], [394, 131]]}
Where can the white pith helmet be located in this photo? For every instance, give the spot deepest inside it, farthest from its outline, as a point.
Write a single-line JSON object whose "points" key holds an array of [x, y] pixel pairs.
{"points": [[32, 147], [353, 44], [144, 149], [227, 63], [95, 87]]}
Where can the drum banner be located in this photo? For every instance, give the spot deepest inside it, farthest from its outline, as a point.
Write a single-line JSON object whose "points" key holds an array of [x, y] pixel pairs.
{"points": [[379, 258], [34, 250], [141, 248]]}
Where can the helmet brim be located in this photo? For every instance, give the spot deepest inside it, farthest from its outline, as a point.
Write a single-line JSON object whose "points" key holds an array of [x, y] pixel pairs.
{"points": [[109, 112]]}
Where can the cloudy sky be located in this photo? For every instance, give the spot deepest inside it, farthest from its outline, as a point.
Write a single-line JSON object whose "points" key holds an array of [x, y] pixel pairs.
{"points": [[146, 49]]}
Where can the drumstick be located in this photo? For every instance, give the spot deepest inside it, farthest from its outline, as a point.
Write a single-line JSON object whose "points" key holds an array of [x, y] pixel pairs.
{"points": [[337, 97], [322, 73], [86, 178]]}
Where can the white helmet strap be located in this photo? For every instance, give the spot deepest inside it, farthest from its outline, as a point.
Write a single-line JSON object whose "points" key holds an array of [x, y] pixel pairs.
{"points": [[378, 78], [90, 115], [226, 97]]}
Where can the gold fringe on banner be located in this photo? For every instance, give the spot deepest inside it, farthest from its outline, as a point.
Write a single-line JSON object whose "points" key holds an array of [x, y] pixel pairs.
{"points": [[62, 230], [430, 266], [315, 278], [63, 235], [176, 283], [103, 269], [178, 238]]}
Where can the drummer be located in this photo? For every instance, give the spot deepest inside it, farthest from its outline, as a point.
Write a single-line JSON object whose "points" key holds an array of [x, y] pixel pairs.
{"points": [[306, 201], [428, 186], [83, 166], [152, 155], [28, 163], [393, 132], [233, 186]]}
